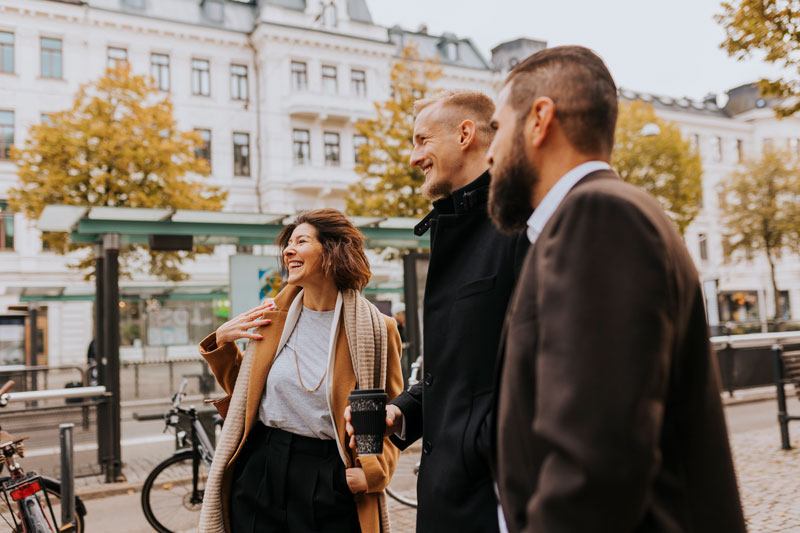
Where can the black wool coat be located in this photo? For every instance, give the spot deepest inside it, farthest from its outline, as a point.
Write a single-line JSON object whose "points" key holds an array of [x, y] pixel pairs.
{"points": [[471, 276]]}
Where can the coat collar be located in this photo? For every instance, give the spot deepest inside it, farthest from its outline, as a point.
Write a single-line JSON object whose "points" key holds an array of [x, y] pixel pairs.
{"points": [[469, 198]]}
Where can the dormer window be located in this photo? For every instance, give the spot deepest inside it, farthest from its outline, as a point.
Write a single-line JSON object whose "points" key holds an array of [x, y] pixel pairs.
{"points": [[329, 16], [214, 10], [451, 50]]}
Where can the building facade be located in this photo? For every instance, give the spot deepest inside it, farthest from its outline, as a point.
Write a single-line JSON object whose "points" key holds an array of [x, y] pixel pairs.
{"points": [[275, 87]]}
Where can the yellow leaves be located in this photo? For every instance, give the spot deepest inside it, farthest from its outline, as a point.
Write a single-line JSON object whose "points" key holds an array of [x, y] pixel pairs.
{"points": [[117, 145], [663, 164], [389, 185], [772, 28]]}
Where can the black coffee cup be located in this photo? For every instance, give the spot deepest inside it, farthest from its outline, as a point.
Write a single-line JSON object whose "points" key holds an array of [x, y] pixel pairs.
{"points": [[368, 416]]}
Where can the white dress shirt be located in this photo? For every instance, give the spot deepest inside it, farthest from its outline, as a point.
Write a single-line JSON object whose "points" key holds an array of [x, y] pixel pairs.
{"points": [[544, 211]]}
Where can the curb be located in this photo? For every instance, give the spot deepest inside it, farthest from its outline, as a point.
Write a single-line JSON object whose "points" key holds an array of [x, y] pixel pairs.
{"points": [[106, 490]]}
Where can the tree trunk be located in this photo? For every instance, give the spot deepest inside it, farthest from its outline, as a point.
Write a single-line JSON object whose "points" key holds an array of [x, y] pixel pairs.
{"points": [[775, 293]]}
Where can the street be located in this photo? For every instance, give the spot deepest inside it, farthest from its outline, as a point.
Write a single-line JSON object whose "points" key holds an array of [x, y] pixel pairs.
{"points": [[767, 475]]}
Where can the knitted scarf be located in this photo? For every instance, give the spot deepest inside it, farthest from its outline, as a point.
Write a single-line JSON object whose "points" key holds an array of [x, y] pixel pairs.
{"points": [[367, 340]]}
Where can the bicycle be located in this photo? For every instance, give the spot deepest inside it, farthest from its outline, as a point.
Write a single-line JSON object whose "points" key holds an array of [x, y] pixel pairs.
{"points": [[26, 489], [416, 368], [172, 494]]}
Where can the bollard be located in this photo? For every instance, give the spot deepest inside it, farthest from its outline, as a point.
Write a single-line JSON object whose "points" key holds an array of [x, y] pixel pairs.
{"points": [[783, 416], [67, 479]]}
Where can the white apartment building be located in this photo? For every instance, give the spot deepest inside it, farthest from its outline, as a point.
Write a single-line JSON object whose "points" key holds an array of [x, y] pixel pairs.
{"points": [[276, 87]]}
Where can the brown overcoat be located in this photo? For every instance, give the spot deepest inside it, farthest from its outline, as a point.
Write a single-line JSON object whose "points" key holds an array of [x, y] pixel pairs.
{"points": [[225, 361]]}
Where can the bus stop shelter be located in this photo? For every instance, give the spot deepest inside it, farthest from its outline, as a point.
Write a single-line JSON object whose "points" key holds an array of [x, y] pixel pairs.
{"points": [[166, 229]]}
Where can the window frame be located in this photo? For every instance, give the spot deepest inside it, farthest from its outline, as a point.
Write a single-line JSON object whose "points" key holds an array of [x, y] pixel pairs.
{"points": [[298, 143], [114, 62], [161, 68], [205, 147], [47, 55], [327, 79], [12, 47], [201, 75], [239, 83], [5, 129], [356, 145], [299, 78], [6, 216], [241, 158], [332, 150], [358, 87]]}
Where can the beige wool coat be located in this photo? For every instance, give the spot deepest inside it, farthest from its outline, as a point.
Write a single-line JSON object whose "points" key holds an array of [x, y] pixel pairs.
{"points": [[225, 361]]}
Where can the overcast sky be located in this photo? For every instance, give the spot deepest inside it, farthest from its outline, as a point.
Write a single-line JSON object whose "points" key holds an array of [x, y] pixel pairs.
{"points": [[668, 47]]}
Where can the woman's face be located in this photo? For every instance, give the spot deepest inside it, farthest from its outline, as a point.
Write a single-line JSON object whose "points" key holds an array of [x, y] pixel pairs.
{"points": [[303, 256]]}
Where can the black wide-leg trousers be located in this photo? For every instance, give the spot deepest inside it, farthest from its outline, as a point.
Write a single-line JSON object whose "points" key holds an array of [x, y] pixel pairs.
{"points": [[287, 483]]}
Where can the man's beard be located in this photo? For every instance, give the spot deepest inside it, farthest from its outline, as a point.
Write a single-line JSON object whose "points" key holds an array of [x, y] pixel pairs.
{"points": [[435, 190], [511, 189]]}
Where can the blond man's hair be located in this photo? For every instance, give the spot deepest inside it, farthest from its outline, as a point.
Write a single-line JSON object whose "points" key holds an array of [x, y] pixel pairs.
{"points": [[462, 105]]}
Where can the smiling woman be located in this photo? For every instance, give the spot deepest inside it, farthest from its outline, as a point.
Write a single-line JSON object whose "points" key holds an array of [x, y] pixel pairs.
{"points": [[283, 461]]}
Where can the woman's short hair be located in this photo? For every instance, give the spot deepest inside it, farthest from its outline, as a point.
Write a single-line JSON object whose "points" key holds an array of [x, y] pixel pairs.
{"points": [[343, 257]]}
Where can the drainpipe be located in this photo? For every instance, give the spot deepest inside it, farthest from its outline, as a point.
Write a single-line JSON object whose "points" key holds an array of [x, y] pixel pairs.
{"points": [[258, 118]]}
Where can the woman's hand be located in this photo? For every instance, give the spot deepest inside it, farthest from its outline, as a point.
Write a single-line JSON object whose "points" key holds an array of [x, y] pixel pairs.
{"points": [[237, 327], [356, 480]]}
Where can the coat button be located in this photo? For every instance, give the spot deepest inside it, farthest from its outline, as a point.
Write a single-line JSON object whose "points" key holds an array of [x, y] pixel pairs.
{"points": [[428, 379], [427, 447]]}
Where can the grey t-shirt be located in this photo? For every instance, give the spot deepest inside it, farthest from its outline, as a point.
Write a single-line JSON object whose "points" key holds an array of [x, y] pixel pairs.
{"points": [[285, 404]]}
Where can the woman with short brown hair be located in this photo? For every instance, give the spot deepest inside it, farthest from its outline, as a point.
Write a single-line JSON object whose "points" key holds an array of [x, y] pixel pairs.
{"points": [[282, 462]]}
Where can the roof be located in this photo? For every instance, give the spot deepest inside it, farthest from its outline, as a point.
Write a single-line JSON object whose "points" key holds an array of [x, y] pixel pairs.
{"points": [[707, 107], [436, 46], [87, 224]]}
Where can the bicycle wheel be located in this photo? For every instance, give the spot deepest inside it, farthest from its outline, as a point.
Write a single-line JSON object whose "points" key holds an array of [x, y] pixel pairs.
{"points": [[401, 499], [170, 502], [53, 489]]}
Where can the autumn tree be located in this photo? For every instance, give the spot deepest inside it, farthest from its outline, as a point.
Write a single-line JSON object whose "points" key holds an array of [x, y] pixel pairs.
{"points": [[771, 27], [650, 152], [760, 212], [118, 145], [389, 185]]}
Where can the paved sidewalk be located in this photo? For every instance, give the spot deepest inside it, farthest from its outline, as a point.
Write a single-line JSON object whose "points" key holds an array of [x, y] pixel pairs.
{"points": [[769, 478]]}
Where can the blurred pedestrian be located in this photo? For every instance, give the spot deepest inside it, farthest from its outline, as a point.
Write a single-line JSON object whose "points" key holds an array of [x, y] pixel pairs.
{"points": [[608, 415], [282, 462], [471, 274]]}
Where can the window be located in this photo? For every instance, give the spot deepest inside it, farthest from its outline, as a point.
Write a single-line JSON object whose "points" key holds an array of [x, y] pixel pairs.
{"points": [[358, 82], [6, 51], [117, 57], [6, 227], [201, 83], [716, 149], [204, 150], [694, 142], [702, 242], [51, 58], [299, 76], [214, 10], [239, 82], [159, 69], [6, 133], [358, 141], [329, 84], [513, 62], [739, 150], [451, 50], [329, 17], [768, 144], [302, 147], [241, 154], [331, 141]]}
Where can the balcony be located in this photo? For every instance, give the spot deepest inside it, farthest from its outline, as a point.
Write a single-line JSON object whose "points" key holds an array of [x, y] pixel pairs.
{"points": [[328, 107]]}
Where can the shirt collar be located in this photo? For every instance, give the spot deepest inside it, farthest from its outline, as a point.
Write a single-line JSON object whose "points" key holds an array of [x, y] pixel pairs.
{"points": [[544, 211]]}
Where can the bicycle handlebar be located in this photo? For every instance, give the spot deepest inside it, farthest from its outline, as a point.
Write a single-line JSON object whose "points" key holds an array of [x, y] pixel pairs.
{"points": [[7, 387], [176, 400]]}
